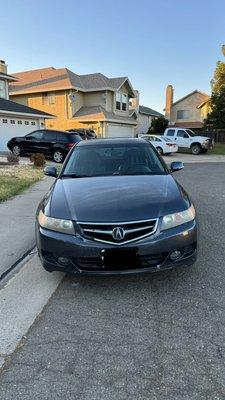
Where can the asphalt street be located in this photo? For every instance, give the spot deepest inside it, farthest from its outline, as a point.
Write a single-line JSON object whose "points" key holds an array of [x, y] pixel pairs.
{"points": [[149, 337]]}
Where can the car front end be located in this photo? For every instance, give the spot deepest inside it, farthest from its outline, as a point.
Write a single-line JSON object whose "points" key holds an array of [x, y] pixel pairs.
{"points": [[82, 255], [128, 221]]}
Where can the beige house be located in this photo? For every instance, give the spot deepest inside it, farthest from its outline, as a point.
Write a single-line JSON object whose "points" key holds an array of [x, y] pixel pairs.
{"points": [[145, 115], [91, 101], [189, 111]]}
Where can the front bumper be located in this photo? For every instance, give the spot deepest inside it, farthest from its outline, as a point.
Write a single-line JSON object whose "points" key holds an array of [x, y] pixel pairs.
{"points": [[87, 256]]}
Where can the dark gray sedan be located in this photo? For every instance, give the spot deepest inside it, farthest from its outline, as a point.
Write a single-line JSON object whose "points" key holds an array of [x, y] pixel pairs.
{"points": [[115, 208]]}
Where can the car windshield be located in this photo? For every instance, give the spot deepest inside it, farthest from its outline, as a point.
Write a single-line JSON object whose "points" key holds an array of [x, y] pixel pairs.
{"points": [[113, 159], [190, 132]]}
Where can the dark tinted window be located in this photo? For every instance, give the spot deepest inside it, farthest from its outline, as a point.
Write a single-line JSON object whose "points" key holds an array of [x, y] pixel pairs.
{"points": [[49, 136], [62, 137], [114, 159], [181, 133], [74, 138], [37, 135], [170, 132]]}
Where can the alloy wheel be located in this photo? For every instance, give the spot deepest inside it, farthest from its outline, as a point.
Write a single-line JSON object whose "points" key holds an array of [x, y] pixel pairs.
{"points": [[16, 150], [58, 156]]}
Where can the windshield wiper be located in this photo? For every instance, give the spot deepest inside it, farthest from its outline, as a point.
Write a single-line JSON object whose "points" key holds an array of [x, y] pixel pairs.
{"points": [[75, 176]]}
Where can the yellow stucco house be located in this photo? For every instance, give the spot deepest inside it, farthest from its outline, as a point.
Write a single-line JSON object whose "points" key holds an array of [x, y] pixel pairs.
{"points": [[91, 101]]}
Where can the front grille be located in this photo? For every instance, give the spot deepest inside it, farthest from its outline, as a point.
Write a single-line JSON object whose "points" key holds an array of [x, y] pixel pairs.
{"points": [[119, 233]]}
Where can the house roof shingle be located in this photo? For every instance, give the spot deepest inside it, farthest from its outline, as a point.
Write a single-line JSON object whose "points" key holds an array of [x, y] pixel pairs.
{"points": [[149, 111], [47, 79], [99, 112], [12, 106]]}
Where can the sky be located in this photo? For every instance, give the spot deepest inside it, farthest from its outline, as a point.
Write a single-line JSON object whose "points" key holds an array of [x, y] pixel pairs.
{"points": [[154, 43]]}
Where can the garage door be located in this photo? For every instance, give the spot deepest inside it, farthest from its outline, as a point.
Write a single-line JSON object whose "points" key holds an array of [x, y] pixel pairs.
{"points": [[10, 127], [120, 131]]}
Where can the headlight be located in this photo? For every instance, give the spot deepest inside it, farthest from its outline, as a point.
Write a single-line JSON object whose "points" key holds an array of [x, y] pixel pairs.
{"points": [[172, 220], [55, 224]]}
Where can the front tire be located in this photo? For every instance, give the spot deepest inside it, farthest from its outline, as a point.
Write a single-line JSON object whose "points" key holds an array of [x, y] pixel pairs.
{"points": [[196, 149], [160, 150], [16, 150], [58, 156]]}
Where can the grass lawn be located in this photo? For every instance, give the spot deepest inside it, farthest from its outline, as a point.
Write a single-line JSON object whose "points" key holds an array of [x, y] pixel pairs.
{"points": [[15, 179], [219, 148]]}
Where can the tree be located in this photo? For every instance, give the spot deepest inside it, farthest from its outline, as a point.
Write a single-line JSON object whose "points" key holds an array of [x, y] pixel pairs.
{"points": [[218, 81], [158, 125], [216, 118]]}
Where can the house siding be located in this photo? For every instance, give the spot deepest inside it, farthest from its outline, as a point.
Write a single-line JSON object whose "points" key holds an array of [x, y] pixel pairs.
{"points": [[190, 104], [144, 121]]}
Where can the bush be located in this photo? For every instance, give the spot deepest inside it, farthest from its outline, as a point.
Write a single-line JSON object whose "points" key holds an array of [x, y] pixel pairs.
{"points": [[38, 159], [12, 159], [158, 125]]}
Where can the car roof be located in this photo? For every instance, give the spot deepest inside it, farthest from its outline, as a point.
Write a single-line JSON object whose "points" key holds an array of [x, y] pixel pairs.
{"points": [[112, 141]]}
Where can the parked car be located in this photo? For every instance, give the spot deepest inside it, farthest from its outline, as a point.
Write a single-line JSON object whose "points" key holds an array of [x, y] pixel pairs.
{"points": [[187, 139], [162, 144], [115, 208], [85, 134], [46, 141]]}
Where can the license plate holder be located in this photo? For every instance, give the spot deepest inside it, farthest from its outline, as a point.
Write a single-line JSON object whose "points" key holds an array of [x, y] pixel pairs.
{"points": [[117, 258]]}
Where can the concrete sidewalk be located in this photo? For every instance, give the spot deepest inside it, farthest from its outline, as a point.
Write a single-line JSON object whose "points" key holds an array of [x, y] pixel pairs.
{"points": [[17, 217]]}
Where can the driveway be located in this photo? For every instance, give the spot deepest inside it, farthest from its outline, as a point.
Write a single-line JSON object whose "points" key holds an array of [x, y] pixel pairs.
{"points": [[149, 337]]}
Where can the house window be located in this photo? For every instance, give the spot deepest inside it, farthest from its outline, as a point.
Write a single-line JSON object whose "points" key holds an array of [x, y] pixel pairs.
{"points": [[118, 99], [124, 102], [33, 123], [19, 122], [48, 98], [12, 121], [121, 101], [3, 89], [26, 122], [182, 114], [4, 121]]}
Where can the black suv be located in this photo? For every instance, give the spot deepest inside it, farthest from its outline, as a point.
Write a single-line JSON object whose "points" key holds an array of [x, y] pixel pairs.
{"points": [[46, 141]]}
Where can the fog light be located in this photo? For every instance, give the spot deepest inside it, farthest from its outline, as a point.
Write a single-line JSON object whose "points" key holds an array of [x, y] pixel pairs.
{"points": [[63, 260], [175, 255]]}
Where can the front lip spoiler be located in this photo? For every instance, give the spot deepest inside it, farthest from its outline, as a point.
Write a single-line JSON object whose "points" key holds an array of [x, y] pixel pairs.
{"points": [[183, 262]]}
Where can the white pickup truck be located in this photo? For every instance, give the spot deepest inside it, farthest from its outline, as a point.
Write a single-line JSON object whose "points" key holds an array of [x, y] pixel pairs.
{"points": [[187, 139]]}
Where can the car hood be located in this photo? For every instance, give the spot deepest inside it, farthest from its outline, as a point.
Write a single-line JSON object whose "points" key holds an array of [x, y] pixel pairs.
{"points": [[202, 138], [115, 198]]}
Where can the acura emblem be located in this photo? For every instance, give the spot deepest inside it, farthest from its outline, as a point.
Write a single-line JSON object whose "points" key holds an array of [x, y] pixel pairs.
{"points": [[118, 233]]}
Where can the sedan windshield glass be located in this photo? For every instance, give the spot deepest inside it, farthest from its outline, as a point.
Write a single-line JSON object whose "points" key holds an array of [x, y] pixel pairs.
{"points": [[113, 159]]}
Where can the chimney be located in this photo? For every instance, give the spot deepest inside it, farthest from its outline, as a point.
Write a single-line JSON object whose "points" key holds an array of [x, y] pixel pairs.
{"points": [[134, 101], [3, 67], [169, 101]]}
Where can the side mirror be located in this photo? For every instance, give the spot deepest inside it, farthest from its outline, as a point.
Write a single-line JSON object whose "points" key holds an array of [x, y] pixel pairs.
{"points": [[51, 171], [29, 138], [176, 166]]}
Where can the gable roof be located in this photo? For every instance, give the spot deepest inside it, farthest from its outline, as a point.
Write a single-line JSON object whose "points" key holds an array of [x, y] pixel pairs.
{"points": [[50, 79], [99, 113], [149, 111], [190, 94], [13, 107]]}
